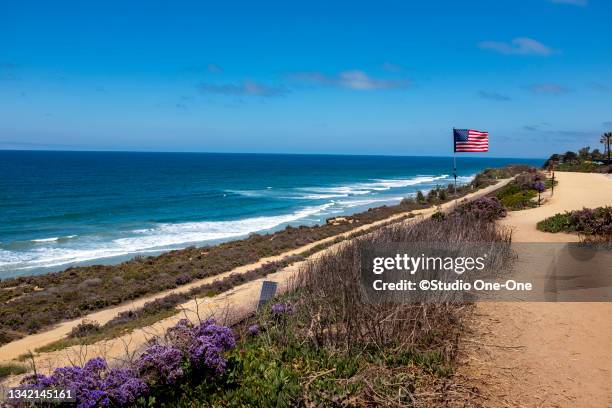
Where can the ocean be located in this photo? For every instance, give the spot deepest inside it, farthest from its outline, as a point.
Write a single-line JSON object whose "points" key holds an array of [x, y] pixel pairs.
{"points": [[59, 209]]}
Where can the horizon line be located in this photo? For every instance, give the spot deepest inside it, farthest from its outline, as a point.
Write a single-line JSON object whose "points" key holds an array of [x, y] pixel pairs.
{"points": [[257, 153]]}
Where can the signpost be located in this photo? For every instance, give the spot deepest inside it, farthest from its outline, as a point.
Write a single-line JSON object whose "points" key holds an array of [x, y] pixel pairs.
{"points": [[268, 290]]}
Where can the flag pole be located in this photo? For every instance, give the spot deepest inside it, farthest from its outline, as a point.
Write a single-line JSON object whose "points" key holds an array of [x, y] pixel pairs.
{"points": [[455, 164]]}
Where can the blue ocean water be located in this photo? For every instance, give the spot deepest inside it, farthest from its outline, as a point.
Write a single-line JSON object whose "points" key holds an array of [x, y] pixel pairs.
{"points": [[66, 208]]}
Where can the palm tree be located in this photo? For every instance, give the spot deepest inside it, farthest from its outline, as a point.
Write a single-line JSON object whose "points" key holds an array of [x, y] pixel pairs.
{"points": [[606, 139]]}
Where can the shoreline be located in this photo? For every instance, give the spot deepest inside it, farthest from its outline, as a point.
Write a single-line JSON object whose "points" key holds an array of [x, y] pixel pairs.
{"points": [[119, 259], [241, 300], [112, 217], [149, 274]]}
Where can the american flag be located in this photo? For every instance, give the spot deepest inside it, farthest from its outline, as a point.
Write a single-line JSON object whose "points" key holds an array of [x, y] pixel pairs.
{"points": [[470, 140]]}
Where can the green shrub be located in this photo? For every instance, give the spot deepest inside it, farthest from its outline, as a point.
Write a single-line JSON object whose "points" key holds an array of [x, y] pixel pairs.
{"points": [[420, 197], [432, 196], [85, 328], [407, 202], [442, 194], [11, 369], [582, 167], [590, 222], [556, 223], [520, 200], [508, 190], [438, 216]]}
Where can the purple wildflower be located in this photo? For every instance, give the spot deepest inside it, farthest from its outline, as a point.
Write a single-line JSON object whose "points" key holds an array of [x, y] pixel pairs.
{"points": [[94, 384], [160, 364], [253, 329], [539, 186], [281, 309], [208, 344], [124, 386]]}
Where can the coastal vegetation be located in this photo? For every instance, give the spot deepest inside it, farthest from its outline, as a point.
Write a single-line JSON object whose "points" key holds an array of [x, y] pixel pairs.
{"points": [[11, 369], [585, 160], [524, 191], [592, 223], [314, 346], [30, 304]]}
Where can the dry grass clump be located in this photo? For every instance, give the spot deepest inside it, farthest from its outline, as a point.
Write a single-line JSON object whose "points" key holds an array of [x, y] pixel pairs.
{"points": [[332, 295]]}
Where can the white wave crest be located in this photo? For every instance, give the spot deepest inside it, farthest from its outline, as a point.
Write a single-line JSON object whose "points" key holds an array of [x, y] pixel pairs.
{"points": [[52, 239], [376, 185], [161, 237]]}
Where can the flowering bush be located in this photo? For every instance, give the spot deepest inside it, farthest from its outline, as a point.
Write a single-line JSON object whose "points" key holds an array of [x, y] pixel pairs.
{"points": [[281, 309], [253, 329], [196, 348], [209, 342], [539, 186], [595, 222], [527, 180], [161, 365], [94, 384], [486, 208]]}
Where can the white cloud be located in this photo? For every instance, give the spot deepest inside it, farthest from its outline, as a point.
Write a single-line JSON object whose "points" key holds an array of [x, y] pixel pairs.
{"points": [[518, 46], [242, 88], [392, 67], [572, 2], [214, 68], [547, 88], [353, 79], [495, 96]]}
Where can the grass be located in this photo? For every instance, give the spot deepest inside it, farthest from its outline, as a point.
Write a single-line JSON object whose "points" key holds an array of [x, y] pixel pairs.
{"points": [[107, 333], [263, 372], [9, 369], [519, 200]]}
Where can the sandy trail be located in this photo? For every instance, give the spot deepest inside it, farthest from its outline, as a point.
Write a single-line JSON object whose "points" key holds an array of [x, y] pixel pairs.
{"points": [[536, 354], [227, 307]]}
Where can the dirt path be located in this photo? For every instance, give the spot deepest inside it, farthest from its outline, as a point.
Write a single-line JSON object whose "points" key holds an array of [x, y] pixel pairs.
{"points": [[528, 354], [228, 306]]}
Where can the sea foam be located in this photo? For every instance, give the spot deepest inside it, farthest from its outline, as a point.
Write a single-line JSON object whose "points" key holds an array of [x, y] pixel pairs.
{"points": [[72, 249], [163, 236]]}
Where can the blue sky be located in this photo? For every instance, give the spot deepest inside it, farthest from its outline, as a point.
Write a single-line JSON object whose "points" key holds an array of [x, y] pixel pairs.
{"points": [[384, 77]]}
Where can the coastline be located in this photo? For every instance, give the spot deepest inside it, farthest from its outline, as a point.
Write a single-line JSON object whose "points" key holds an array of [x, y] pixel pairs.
{"points": [[240, 300], [535, 323], [143, 205], [32, 304], [119, 259]]}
